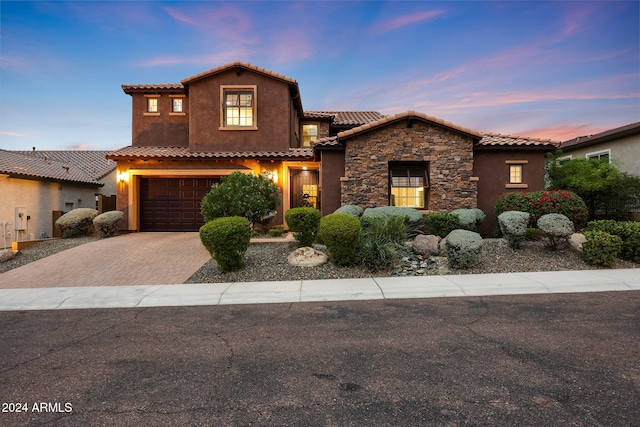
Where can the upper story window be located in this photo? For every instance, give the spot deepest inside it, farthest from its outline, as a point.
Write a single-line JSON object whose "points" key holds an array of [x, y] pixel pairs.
{"points": [[239, 107], [177, 105], [152, 105], [309, 133]]}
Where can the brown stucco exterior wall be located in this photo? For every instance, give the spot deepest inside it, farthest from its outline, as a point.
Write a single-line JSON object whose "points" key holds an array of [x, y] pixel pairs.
{"points": [[274, 114], [331, 170], [449, 154], [493, 170], [128, 189], [163, 129]]}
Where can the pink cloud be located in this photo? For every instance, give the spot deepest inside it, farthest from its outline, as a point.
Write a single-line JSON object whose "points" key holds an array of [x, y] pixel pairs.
{"points": [[562, 133], [13, 134], [206, 59], [225, 21], [404, 20]]}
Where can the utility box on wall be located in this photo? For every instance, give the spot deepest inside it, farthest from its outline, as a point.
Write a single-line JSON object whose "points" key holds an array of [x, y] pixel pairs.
{"points": [[21, 219]]}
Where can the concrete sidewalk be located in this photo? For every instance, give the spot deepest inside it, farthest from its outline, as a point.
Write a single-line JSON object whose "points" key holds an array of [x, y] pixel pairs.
{"points": [[85, 297]]}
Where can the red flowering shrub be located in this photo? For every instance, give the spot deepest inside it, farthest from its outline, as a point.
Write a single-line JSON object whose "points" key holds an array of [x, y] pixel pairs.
{"points": [[538, 203]]}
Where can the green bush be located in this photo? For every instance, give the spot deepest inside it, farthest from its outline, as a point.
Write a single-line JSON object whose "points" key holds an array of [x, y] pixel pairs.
{"points": [[540, 203], [353, 210], [340, 233], [413, 217], [555, 228], [532, 234], [628, 231], [241, 194], [464, 249], [276, 230], [470, 219], [513, 226], [304, 223], [227, 240], [381, 241], [441, 223], [77, 223], [601, 248], [106, 224]]}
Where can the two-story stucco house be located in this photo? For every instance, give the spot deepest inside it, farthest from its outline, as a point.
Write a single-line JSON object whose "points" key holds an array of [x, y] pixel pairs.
{"points": [[239, 117]]}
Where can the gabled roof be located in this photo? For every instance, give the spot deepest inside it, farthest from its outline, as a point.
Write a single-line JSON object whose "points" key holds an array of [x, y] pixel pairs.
{"points": [[386, 120], [490, 140], [608, 135], [157, 152], [239, 65], [30, 166]]}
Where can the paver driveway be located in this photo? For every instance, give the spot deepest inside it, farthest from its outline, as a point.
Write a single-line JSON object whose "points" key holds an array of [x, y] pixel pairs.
{"points": [[129, 259]]}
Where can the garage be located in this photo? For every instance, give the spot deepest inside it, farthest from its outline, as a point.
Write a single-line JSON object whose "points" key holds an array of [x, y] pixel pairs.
{"points": [[172, 204]]}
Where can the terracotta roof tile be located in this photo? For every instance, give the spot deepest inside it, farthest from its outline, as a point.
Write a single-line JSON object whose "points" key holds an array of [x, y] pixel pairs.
{"points": [[401, 116], [349, 118], [183, 152], [92, 162], [238, 64], [36, 167], [329, 141], [164, 87], [497, 140]]}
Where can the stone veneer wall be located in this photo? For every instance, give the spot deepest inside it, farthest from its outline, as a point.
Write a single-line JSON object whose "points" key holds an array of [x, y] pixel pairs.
{"points": [[450, 157]]}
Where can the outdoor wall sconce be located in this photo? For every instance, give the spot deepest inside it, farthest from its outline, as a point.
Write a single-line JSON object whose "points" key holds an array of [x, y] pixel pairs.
{"points": [[122, 176], [273, 176]]}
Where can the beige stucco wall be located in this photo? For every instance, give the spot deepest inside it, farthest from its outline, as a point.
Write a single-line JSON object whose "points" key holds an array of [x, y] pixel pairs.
{"points": [[625, 153], [39, 200]]}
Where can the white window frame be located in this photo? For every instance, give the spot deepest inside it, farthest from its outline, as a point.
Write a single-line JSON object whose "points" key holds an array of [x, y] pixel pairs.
{"points": [[254, 107], [597, 154]]}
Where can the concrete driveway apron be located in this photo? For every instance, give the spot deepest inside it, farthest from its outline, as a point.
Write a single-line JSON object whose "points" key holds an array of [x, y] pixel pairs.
{"points": [[129, 259]]}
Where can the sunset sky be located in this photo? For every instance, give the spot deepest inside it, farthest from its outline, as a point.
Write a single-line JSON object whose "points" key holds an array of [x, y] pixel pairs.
{"points": [[548, 69]]}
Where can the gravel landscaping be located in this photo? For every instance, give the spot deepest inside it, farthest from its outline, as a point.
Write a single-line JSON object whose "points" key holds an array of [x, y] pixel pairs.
{"points": [[268, 261]]}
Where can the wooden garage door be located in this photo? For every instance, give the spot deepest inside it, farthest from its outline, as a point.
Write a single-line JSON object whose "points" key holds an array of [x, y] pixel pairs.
{"points": [[172, 204]]}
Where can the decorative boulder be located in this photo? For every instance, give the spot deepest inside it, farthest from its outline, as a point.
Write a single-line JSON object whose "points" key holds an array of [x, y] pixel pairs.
{"points": [[555, 228], [513, 225], [442, 247], [426, 244], [464, 248], [576, 240], [7, 255], [307, 257]]}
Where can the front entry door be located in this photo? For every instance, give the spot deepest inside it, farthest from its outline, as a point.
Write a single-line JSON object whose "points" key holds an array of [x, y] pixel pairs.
{"points": [[304, 188]]}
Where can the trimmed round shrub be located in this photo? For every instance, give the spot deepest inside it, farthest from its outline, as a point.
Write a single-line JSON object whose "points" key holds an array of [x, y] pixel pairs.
{"points": [[304, 223], [77, 223], [276, 230], [381, 241], [628, 231], [555, 228], [513, 226], [239, 194], [540, 203], [107, 223], [601, 248], [441, 223], [353, 210], [227, 240], [464, 248], [340, 233], [470, 219]]}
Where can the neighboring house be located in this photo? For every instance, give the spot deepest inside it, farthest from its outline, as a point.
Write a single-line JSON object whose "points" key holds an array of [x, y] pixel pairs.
{"points": [[36, 186], [239, 117], [621, 146]]}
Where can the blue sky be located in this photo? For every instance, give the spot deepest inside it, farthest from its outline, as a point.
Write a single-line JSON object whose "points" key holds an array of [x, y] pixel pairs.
{"points": [[542, 69]]}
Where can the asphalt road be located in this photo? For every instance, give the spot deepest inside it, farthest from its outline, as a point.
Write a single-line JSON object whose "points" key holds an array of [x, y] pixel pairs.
{"points": [[538, 360]]}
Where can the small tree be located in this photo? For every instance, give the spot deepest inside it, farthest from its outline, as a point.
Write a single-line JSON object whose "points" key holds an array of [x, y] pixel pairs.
{"points": [[240, 194], [599, 183]]}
